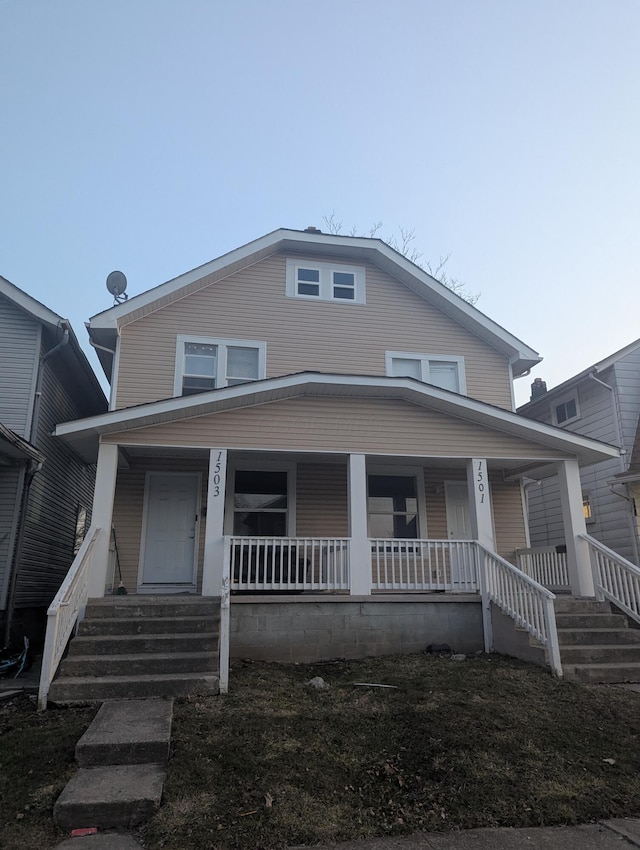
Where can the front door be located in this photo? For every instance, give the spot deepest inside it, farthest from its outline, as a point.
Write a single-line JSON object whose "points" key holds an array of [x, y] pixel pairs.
{"points": [[170, 526], [458, 526]]}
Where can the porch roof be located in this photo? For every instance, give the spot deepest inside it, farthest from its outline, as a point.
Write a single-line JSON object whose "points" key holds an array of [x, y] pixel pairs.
{"points": [[83, 435]]}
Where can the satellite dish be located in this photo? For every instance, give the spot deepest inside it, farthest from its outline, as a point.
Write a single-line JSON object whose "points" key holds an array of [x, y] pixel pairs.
{"points": [[116, 284]]}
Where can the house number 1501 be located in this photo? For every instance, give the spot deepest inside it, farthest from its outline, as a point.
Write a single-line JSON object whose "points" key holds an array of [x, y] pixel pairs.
{"points": [[480, 482]]}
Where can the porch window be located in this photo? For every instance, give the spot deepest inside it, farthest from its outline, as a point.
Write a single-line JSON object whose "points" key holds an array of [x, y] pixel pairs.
{"points": [[260, 504], [206, 364], [444, 371], [393, 506]]}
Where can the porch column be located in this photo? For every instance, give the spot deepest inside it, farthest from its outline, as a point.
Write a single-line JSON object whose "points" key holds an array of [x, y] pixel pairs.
{"points": [[359, 546], [102, 515], [480, 513], [578, 560], [212, 570]]}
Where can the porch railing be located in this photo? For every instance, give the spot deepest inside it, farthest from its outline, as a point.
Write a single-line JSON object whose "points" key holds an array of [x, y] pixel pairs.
{"points": [[426, 565], [289, 563], [615, 578], [64, 612], [523, 599], [545, 565]]}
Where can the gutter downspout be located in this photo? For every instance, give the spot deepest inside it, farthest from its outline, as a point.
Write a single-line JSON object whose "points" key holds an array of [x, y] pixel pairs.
{"points": [[616, 419], [33, 468]]}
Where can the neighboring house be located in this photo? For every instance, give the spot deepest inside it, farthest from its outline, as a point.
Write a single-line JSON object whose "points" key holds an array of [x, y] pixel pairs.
{"points": [[603, 402], [318, 426], [46, 490]]}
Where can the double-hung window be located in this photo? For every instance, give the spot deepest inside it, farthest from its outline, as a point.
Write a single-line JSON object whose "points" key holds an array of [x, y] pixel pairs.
{"points": [[204, 363], [325, 282], [393, 506], [444, 371], [567, 411]]}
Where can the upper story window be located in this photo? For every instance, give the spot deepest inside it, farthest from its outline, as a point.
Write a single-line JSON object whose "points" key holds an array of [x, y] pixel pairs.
{"points": [[445, 371], [325, 282], [205, 364], [566, 411]]}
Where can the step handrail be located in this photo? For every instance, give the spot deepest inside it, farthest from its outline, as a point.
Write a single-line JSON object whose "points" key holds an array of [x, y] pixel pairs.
{"points": [[67, 607], [523, 599], [615, 578]]}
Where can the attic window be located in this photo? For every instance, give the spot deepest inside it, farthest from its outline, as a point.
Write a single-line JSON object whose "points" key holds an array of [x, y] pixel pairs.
{"points": [[204, 363], [566, 411], [325, 282]]}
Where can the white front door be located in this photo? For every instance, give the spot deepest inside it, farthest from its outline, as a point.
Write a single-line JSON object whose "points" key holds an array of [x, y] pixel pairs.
{"points": [[458, 525], [170, 527]]}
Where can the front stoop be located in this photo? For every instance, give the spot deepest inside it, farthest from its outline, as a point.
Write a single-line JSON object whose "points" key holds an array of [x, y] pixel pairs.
{"points": [[121, 758], [596, 644], [142, 646]]}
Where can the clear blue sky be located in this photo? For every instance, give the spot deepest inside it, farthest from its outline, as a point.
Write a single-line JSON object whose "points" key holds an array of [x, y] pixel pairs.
{"points": [[153, 135]]}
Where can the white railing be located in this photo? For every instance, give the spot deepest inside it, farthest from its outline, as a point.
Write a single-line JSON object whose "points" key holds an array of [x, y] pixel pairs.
{"points": [[545, 565], [289, 563], [65, 610], [523, 599], [615, 578], [423, 565]]}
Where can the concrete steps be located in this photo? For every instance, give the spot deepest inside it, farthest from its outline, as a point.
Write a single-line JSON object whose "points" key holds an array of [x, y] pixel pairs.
{"points": [[121, 758], [141, 646], [596, 644]]}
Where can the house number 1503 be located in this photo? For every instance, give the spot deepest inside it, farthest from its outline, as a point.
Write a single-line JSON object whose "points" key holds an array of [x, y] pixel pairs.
{"points": [[480, 482], [217, 469]]}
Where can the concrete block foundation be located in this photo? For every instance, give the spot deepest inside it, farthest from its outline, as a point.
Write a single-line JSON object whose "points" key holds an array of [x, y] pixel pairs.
{"points": [[306, 629]]}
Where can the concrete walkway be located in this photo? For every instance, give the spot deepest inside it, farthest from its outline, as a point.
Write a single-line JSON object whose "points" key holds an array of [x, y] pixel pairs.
{"points": [[608, 835]]}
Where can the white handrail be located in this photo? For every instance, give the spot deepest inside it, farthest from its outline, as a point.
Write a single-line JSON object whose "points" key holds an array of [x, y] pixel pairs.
{"points": [[423, 565], [67, 607], [289, 563], [545, 565], [615, 578], [523, 599], [225, 617]]}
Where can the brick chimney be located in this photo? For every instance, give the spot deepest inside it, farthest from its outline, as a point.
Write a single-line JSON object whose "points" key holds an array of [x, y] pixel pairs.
{"points": [[538, 388]]}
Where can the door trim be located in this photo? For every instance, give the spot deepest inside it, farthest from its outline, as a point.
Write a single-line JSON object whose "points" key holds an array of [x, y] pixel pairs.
{"points": [[188, 587]]}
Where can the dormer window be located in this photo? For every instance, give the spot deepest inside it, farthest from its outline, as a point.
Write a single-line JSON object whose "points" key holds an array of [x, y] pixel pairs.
{"points": [[204, 363], [444, 371], [325, 282], [566, 412]]}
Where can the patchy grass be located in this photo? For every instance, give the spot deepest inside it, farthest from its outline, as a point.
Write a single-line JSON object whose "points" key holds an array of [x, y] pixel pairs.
{"points": [[486, 742], [36, 762]]}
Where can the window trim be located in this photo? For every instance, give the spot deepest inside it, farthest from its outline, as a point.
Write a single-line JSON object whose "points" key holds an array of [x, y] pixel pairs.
{"points": [[564, 400], [326, 284], [389, 357], [221, 361]]}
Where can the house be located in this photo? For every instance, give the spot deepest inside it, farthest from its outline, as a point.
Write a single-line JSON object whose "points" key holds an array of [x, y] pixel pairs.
{"points": [[320, 437], [603, 402], [46, 489]]}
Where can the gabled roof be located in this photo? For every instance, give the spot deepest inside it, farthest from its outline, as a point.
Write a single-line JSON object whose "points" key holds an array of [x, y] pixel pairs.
{"points": [[83, 434], [597, 369], [104, 326], [74, 357]]}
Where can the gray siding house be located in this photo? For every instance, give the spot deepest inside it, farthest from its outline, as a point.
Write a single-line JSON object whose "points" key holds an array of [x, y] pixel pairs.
{"points": [[46, 490], [602, 402]]}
